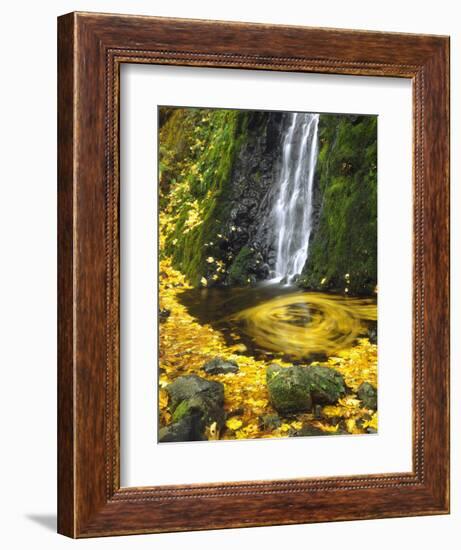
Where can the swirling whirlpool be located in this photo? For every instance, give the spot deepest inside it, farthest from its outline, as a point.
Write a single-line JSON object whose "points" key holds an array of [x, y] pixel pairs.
{"points": [[300, 324]]}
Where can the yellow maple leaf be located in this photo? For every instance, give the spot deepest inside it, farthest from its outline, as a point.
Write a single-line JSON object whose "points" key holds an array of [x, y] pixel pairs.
{"points": [[372, 423], [350, 425], [239, 347], [234, 423], [162, 399], [332, 410]]}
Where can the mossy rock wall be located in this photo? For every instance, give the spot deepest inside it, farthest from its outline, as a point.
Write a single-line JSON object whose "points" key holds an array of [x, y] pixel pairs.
{"points": [[215, 168], [343, 247], [197, 153]]}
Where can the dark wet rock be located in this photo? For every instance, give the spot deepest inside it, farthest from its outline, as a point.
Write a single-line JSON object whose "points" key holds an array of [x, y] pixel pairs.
{"points": [[189, 386], [187, 429], [334, 420], [235, 412], [163, 314], [195, 403], [368, 396], [248, 267], [317, 411], [250, 197], [296, 389], [269, 422], [308, 430], [217, 365], [373, 334], [203, 407], [318, 357]]}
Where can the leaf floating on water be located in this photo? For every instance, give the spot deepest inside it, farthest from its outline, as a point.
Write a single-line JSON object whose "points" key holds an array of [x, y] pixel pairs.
{"points": [[300, 324]]}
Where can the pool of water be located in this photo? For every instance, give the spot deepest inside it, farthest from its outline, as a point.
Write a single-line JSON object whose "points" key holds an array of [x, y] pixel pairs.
{"points": [[274, 320]]}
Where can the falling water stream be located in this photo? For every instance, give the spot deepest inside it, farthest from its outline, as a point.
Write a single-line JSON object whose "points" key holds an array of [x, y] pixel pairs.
{"points": [[277, 318], [292, 211]]}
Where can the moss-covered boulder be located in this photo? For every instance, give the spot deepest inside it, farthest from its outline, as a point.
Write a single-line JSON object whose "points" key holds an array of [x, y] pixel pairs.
{"points": [[187, 429], [368, 396], [326, 385], [296, 389], [289, 390], [185, 387], [195, 403]]}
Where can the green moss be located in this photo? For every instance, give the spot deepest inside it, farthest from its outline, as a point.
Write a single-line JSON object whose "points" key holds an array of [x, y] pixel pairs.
{"points": [[181, 410], [198, 149], [201, 143], [239, 272], [343, 251]]}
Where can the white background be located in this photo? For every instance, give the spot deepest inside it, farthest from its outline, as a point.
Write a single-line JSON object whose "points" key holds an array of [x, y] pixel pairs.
{"points": [[28, 272], [142, 89]]}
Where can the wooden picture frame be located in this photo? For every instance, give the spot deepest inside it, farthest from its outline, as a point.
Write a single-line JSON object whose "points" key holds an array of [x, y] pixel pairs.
{"points": [[92, 48]]}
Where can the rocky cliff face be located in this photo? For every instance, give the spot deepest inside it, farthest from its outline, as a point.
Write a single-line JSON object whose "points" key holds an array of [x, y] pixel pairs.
{"points": [[224, 168], [248, 229], [343, 246], [232, 244]]}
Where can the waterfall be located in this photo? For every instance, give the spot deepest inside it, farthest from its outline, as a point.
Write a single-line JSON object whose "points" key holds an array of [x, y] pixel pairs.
{"points": [[292, 212]]}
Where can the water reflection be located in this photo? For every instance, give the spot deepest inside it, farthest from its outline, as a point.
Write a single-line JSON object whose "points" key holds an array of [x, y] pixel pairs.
{"points": [[301, 324], [273, 320]]}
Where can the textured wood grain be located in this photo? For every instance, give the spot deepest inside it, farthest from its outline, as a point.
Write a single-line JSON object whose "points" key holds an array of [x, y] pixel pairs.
{"points": [[66, 419], [92, 47]]}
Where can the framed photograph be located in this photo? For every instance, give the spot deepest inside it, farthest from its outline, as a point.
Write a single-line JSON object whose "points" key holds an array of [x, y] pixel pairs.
{"points": [[253, 275]]}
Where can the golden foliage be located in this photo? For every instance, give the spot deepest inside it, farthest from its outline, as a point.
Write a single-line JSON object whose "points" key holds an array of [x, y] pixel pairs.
{"points": [[357, 364], [330, 428], [283, 319], [351, 410], [185, 345], [234, 424], [372, 423]]}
